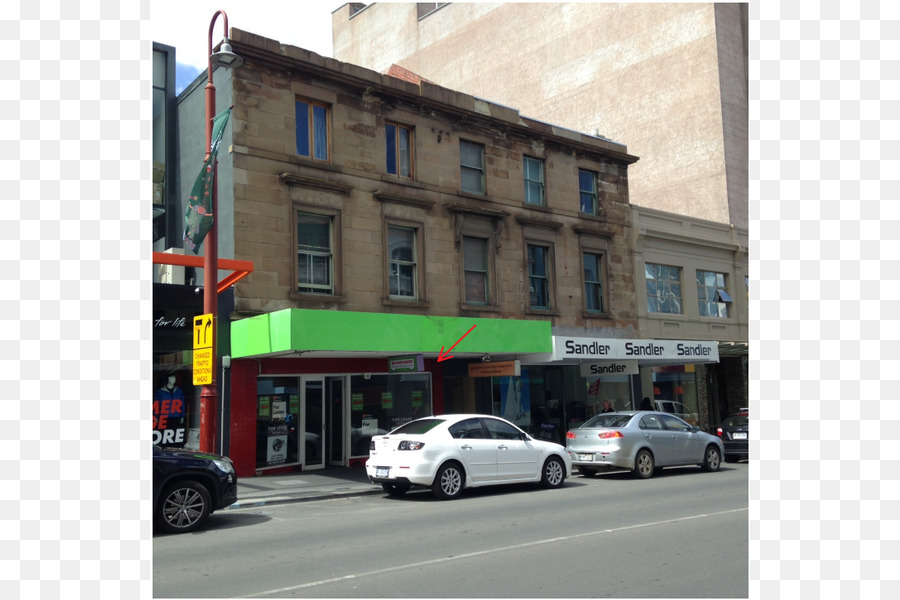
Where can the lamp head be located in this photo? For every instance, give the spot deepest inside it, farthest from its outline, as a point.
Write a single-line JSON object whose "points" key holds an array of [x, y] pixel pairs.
{"points": [[225, 57]]}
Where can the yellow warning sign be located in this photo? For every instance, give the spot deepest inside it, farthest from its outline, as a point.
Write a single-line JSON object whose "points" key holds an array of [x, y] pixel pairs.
{"points": [[204, 355]]}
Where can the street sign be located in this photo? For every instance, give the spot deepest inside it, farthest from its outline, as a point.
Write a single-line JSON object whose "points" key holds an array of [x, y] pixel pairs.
{"points": [[203, 331], [512, 368], [204, 354]]}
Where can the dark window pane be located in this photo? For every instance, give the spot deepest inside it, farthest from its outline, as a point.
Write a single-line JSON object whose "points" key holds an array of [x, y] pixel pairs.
{"points": [[390, 138], [302, 116]]}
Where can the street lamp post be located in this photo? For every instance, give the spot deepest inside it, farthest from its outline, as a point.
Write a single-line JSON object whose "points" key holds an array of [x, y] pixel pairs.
{"points": [[209, 396]]}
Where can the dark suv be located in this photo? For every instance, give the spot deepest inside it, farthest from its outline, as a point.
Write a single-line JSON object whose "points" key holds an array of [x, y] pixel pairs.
{"points": [[188, 486]]}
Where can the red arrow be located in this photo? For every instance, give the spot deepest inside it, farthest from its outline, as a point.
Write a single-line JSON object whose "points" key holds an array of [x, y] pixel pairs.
{"points": [[445, 355]]}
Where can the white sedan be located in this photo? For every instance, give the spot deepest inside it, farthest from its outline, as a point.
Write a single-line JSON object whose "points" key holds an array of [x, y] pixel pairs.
{"points": [[451, 452]]}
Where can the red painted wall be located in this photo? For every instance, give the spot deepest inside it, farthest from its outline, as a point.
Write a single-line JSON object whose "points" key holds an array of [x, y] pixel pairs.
{"points": [[244, 373]]}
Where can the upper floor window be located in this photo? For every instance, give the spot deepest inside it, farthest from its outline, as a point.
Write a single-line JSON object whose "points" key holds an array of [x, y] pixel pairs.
{"points": [[398, 147], [471, 167], [538, 276], [587, 185], [534, 180], [402, 262], [593, 286], [711, 294], [312, 129], [315, 254], [475, 269], [663, 288]]}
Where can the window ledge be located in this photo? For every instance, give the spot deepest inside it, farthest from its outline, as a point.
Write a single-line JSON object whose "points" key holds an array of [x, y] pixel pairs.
{"points": [[550, 312], [407, 303], [478, 307], [310, 299], [596, 315]]}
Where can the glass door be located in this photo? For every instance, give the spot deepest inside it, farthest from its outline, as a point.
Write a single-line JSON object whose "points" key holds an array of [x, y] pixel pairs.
{"points": [[313, 415]]}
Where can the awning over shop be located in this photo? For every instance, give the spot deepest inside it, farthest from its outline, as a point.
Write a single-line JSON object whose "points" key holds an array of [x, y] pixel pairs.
{"points": [[646, 352], [327, 333]]}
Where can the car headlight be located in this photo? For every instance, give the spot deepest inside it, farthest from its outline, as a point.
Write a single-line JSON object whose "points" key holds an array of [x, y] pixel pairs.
{"points": [[407, 445], [225, 465]]}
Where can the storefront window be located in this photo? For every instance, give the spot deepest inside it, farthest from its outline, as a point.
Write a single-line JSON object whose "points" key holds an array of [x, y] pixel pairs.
{"points": [[172, 408], [380, 403], [675, 391], [548, 401]]}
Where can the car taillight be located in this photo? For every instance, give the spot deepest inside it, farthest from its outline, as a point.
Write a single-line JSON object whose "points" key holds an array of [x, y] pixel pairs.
{"points": [[719, 431], [406, 445], [371, 445], [604, 435], [570, 435]]}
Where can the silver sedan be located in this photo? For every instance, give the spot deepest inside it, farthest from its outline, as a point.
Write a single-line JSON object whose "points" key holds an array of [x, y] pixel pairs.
{"points": [[641, 442]]}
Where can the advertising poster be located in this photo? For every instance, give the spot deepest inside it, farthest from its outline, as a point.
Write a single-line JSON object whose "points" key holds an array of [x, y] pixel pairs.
{"points": [[515, 400], [356, 402], [276, 448], [169, 419], [387, 400]]}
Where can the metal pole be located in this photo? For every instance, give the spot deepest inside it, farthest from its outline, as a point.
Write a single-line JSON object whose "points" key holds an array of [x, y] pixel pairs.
{"points": [[209, 397]]}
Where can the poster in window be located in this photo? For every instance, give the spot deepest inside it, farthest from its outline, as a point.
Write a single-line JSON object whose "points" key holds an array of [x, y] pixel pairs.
{"points": [[356, 401], [515, 400], [387, 400]]}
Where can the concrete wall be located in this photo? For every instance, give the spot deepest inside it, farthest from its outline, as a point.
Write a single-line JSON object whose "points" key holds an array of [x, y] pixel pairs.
{"points": [[668, 80]]}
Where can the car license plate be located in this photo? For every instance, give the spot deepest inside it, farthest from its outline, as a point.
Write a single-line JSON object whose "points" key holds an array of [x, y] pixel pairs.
{"points": [[382, 471], [739, 436], [586, 457]]}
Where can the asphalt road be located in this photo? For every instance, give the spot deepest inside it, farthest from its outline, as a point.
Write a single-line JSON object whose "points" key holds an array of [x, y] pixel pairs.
{"points": [[682, 533]]}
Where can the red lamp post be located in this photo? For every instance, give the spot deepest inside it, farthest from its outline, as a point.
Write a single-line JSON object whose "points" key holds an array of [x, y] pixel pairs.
{"points": [[209, 396]]}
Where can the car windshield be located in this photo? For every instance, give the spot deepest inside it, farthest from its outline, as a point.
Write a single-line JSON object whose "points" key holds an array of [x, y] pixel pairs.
{"points": [[735, 421], [418, 427], [608, 420]]}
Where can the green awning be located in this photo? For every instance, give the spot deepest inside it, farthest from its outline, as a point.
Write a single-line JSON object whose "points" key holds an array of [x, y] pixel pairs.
{"points": [[331, 332]]}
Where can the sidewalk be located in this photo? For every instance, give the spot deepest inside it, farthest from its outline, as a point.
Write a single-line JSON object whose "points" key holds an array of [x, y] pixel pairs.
{"points": [[331, 482]]}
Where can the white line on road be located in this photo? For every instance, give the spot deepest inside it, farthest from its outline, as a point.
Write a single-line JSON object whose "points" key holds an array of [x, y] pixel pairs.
{"points": [[484, 552]]}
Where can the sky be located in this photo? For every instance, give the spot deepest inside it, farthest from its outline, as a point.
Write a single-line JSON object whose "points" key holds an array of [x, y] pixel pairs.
{"points": [[184, 24]]}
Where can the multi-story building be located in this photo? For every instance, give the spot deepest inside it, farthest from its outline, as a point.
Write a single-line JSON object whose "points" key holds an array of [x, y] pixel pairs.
{"points": [[668, 79], [389, 221]]}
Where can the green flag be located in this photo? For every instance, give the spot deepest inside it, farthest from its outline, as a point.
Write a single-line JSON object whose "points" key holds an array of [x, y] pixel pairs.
{"points": [[199, 215]]}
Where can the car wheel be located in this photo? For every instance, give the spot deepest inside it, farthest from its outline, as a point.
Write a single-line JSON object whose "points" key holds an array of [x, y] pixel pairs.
{"points": [[554, 473], [587, 472], [643, 464], [183, 507], [395, 489], [448, 483], [712, 459]]}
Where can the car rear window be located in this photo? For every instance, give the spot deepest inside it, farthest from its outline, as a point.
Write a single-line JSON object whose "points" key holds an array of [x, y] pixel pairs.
{"points": [[608, 420], [735, 421], [418, 427]]}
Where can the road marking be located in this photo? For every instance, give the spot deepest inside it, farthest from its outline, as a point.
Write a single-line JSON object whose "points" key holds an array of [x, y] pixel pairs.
{"points": [[425, 563]]}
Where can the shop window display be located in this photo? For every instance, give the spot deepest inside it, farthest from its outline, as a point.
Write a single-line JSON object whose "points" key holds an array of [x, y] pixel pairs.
{"points": [[381, 403], [675, 392]]}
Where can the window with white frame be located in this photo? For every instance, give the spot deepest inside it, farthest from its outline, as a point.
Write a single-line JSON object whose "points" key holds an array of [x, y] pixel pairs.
{"points": [[534, 180], [402, 262], [593, 284], [712, 296], [315, 254], [471, 167], [475, 270], [664, 293], [538, 276], [587, 186]]}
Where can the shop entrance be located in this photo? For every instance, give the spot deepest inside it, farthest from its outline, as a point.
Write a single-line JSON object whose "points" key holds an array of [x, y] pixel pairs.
{"points": [[312, 422]]}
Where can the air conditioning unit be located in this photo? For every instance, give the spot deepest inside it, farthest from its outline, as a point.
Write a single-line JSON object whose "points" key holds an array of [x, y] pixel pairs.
{"points": [[172, 273]]}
